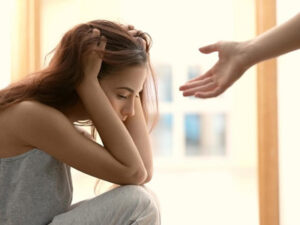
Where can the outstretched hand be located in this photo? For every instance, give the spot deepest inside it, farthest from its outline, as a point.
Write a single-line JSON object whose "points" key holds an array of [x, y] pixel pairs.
{"points": [[230, 67]]}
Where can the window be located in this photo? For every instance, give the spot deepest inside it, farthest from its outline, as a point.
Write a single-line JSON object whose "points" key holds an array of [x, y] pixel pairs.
{"points": [[5, 23], [188, 128]]}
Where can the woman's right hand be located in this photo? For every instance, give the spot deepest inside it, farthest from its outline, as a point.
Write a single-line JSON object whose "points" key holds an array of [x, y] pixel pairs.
{"points": [[92, 61]]}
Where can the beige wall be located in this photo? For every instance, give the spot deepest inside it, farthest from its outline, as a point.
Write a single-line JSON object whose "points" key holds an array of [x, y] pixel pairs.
{"points": [[58, 16], [289, 123], [244, 109], [5, 44]]}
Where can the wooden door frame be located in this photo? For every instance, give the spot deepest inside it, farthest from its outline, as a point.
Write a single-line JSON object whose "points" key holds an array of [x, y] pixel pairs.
{"points": [[268, 178]]}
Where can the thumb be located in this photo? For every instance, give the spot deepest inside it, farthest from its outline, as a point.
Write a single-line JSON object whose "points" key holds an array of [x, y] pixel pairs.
{"points": [[209, 48]]}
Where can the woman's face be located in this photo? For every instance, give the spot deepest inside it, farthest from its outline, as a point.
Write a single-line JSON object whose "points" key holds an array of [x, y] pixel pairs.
{"points": [[122, 89]]}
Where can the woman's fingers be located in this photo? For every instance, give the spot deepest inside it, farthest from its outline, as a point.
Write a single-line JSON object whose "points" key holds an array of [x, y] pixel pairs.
{"points": [[127, 27], [98, 57], [102, 45], [95, 32], [93, 60]]}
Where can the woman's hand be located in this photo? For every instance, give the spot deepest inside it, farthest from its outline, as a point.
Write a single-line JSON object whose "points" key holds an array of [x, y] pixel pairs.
{"points": [[92, 61], [231, 65], [135, 33]]}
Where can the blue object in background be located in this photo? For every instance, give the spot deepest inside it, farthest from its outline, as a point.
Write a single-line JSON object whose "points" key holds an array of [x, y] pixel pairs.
{"points": [[193, 131], [162, 136], [164, 77]]}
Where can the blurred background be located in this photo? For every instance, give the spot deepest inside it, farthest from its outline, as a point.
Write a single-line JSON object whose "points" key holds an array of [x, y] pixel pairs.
{"points": [[205, 150]]}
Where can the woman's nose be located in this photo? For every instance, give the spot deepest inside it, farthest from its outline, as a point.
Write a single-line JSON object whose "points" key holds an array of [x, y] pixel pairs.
{"points": [[128, 110]]}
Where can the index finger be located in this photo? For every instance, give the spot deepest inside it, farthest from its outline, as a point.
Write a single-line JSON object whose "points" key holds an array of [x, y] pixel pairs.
{"points": [[95, 32], [101, 46]]}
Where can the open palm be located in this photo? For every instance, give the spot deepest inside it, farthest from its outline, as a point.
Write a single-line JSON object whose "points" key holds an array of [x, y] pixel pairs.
{"points": [[222, 75]]}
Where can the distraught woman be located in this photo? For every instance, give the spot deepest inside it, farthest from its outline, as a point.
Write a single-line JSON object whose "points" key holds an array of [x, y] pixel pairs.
{"points": [[99, 72]]}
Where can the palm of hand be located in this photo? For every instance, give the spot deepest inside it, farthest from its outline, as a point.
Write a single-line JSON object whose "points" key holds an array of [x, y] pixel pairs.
{"points": [[221, 76]]}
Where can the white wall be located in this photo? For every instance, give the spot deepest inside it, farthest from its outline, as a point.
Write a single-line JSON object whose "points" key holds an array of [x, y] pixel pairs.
{"points": [[289, 123]]}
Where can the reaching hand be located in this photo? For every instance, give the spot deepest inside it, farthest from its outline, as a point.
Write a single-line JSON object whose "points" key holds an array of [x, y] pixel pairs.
{"points": [[230, 67]]}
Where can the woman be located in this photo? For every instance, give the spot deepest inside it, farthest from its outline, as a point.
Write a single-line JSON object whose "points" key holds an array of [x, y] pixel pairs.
{"points": [[99, 72]]}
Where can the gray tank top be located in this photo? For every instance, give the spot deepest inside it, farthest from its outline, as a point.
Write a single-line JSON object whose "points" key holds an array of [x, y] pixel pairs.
{"points": [[34, 187]]}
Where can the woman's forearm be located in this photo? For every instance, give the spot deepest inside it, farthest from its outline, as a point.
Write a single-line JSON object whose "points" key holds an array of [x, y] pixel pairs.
{"points": [[137, 128], [277, 41], [115, 136]]}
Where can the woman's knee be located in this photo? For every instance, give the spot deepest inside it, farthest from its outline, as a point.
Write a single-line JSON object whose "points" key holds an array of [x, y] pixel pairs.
{"points": [[144, 199], [137, 195]]}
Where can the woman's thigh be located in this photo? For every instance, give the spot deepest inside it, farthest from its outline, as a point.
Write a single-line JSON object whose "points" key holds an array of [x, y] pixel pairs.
{"points": [[125, 205]]}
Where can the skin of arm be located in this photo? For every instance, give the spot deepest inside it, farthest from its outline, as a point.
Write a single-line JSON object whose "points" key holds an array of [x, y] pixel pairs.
{"points": [[274, 42], [115, 137], [137, 127], [36, 125], [236, 57]]}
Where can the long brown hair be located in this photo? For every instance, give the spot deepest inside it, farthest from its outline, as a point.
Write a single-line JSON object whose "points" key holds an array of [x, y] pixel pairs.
{"points": [[56, 84]]}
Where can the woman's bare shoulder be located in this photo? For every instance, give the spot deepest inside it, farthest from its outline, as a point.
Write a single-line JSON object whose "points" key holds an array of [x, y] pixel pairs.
{"points": [[22, 120], [32, 111], [28, 108], [28, 115]]}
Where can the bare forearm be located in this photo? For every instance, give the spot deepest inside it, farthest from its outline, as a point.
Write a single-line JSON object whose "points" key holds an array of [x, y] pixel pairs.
{"points": [[115, 137], [277, 41], [137, 128]]}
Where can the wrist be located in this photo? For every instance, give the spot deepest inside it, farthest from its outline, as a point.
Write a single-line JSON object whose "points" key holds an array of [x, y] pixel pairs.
{"points": [[86, 84], [246, 54]]}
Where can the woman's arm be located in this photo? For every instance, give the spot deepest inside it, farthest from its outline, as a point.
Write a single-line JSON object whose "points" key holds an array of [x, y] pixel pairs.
{"points": [[137, 127], [39, 126], [114, 135], [236, 57]]}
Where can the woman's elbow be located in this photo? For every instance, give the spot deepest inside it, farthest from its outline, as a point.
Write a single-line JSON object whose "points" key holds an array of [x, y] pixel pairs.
{"points": [[148, 177], [137, 176], [142, 179]]}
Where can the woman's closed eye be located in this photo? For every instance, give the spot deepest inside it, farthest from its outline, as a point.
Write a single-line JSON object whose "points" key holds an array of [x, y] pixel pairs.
{"points": [[126, 97], [122, 96]]}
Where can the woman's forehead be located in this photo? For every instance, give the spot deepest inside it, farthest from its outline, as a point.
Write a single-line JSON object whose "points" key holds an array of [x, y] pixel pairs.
{"points": [[132, 78]]}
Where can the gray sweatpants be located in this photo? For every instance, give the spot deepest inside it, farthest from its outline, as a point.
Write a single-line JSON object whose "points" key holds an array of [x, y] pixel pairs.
{"points": [[125, 205]]}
